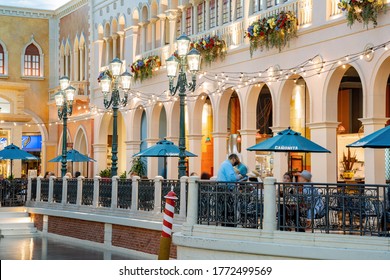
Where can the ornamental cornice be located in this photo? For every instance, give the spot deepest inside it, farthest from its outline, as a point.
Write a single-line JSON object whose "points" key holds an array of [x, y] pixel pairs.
{"points": [[69, 8], [24, 12]]}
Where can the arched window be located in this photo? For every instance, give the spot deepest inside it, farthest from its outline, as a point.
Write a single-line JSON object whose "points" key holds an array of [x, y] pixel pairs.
{"points": [[189, 21], [32, 61], [213, 13], [1, 60]]}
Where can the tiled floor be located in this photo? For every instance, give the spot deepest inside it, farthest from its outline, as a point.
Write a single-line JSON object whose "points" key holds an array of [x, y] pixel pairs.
{"points": [[48, 248]]}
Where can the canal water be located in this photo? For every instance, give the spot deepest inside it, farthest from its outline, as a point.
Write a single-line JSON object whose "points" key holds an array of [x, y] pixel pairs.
{"points": [[49, 248]]}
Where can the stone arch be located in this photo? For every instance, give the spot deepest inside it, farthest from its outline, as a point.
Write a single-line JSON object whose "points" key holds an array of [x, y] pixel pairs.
{"points": [[154, 121], [107, 30], [135, 19], [332, 84], [145, 13], [153, 9], [114, 26], [163, 6], [100, 31], [121, 22], [376, 106], [80, 143]]}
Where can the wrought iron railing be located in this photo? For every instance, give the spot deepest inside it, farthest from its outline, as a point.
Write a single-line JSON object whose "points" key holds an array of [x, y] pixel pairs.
{"points": [[87, 194], [146, 195], [334, 208], [231, 204], [72, 191], [34, 189], [124, 193], [57, 190], [13, 192], [105, 191], [45, 190]]}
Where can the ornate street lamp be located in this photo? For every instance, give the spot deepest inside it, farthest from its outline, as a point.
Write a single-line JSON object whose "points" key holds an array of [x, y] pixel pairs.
{"points": [[186, 59], [64, 101], [113, 79]]}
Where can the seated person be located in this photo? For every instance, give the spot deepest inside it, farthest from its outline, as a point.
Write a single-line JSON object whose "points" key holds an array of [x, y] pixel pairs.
{"points": [[312, 199]]}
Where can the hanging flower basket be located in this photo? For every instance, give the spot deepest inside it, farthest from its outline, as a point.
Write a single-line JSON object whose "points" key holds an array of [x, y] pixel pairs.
{"points": [[364, 11], [273, 32], [143, 68], [211, 48]]}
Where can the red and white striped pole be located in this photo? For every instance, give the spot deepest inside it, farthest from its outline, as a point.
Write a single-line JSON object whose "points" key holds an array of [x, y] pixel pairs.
{"points": [[166, 234]]}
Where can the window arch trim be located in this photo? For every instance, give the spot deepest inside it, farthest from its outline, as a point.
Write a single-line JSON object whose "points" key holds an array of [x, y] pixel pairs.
{"points": [[4, 61], [41, 60]]}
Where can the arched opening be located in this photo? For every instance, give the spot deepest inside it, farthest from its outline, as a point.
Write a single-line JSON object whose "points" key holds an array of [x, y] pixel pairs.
{"points": [[350, 129]]}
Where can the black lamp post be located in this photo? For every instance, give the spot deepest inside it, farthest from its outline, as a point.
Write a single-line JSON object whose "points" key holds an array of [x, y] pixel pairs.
{"points": [[186, 59], [64, 101], [111, 79]]}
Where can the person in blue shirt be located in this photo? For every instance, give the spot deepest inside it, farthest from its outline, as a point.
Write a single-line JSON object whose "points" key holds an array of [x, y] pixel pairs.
{"points": [[226, 172], [242, 169]]}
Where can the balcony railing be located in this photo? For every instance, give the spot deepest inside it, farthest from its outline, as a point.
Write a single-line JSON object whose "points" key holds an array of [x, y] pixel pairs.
{"points": [[82, 90], [358, 209]]}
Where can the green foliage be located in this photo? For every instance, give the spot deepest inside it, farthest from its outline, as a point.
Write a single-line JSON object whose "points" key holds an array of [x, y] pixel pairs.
{"points": [[138, 166], [106, 173], [364, 11], [275, 31], [123, 175]]}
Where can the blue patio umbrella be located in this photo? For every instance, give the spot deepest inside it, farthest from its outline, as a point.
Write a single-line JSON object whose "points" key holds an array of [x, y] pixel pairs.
{"points": [[12, 152], [288, 140], [163, 148], [73, 156], [376, 140]]}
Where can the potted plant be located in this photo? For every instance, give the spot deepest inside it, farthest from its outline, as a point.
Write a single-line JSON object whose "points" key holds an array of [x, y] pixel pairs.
{"points": [[210, 48], [348, 162], [106, 173], [138, 167], [362, 11]]}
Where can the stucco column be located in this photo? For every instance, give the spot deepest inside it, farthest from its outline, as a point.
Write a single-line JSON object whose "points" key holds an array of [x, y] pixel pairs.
{"points": [[99, 55], [324, 165], [132, 147], [153, 23], [248, 139], [269, 204], [192, 209], [76, 69], [162, 18], [114, 45], [195, 146], [194, 19], [172, 30], [374, 159], [220, 153], [121, 45], [100, 155]]}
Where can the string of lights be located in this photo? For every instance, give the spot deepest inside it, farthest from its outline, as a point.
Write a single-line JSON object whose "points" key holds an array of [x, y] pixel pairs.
{"points": [[312, 67]]}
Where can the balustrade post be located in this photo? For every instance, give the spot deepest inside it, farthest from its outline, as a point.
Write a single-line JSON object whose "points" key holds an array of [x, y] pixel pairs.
{"points": [[192, 209], [157, 193], [134, 194], [183, 195], [79, 190], [29, 186], [114, 192], [64, 190], [51, 189], [96, 182], [269, 204], [38, 198]]}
